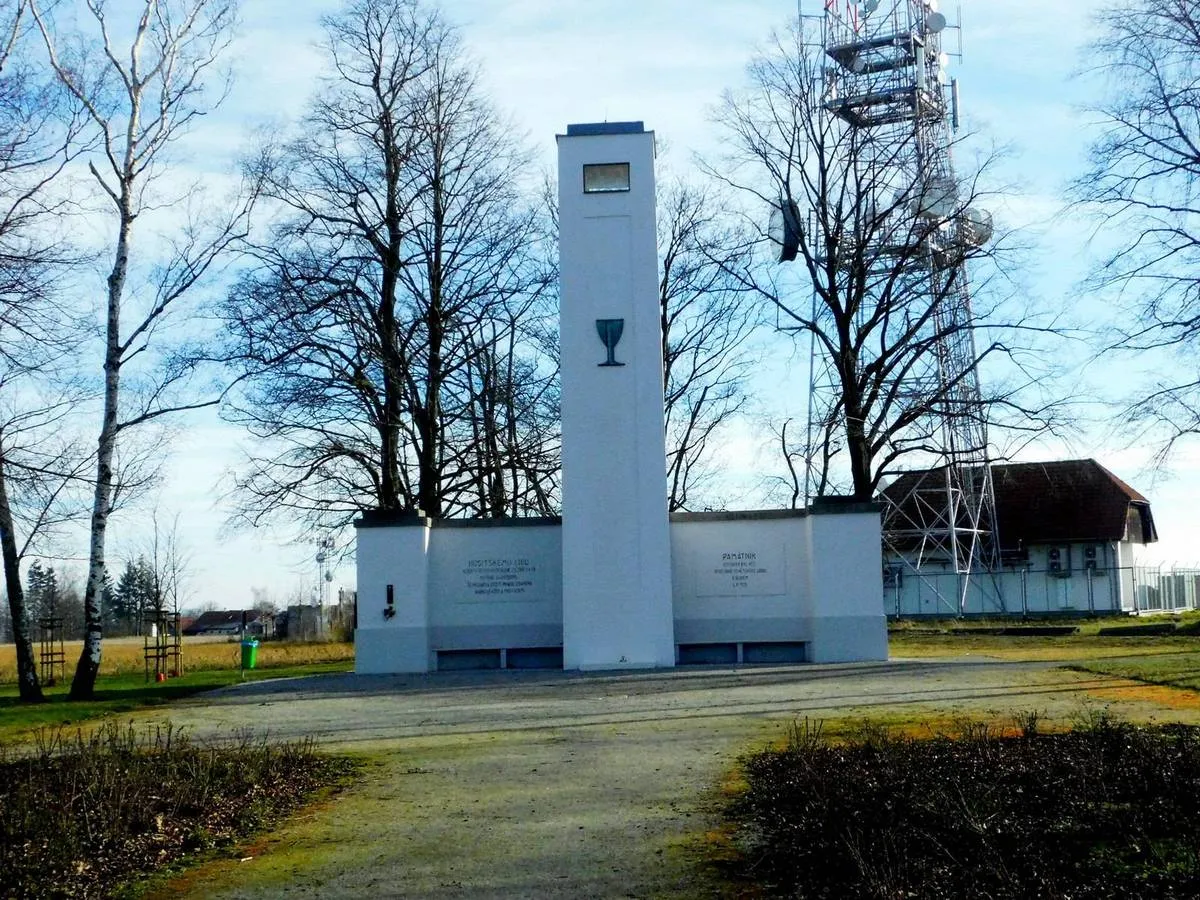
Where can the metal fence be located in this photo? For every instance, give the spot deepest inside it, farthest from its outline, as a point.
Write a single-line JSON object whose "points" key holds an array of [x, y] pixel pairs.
{"points": [[1165, 589], [1025, 591]]}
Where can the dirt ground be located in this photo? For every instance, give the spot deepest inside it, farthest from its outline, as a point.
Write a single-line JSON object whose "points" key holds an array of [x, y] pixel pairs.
{"points": [[565, 785]]}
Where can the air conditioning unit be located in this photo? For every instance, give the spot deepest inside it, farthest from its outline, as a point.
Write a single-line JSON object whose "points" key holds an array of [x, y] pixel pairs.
{"points": [[1059, 562]]}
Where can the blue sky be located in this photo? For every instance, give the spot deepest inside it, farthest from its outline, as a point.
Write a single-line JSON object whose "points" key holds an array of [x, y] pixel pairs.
{"points": [[666, 62]]}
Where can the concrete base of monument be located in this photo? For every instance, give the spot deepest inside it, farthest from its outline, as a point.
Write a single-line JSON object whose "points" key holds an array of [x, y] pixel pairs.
{"points": [[845, 638], [619, 666], [767, 587], [391, 650]]}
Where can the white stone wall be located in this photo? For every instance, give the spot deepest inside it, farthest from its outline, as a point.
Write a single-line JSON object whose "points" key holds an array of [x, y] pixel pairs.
{"points": [[393, 637], [846, 584], [739, 578], [762, 579], [496, 587]]}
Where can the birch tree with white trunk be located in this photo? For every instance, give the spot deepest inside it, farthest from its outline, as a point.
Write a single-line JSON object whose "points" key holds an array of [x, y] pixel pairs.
{"points": [[143, 82]]}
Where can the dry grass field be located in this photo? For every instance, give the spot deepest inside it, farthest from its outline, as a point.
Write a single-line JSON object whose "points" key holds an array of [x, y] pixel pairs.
{"points": [[124, 656]]}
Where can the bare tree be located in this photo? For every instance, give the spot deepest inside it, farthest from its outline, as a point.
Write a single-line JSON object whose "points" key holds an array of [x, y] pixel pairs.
{"points": [[1141, 182], [708, 315], [368, 327], [166, 563], [142, 84], [43, 476], [40, 471], [880, 258], [509, 451]]}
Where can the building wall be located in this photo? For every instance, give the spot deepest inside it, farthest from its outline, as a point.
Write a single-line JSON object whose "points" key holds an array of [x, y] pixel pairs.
{"points": [[766, 586], [846, 578], [1033, 588], [393, 597]]}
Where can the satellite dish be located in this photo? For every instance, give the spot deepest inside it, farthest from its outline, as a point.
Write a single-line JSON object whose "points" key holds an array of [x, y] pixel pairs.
{"points": [[870, 6], [937, 200], [977, 228], [935, 22], [784, 230], [857, 64]]}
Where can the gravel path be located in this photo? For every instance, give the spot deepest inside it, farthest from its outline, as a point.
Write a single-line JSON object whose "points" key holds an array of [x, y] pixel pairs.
{"points": [[565, 785]]}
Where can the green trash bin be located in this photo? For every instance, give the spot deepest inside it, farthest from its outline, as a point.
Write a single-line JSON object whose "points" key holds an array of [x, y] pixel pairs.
{"points": [[249, 653]]}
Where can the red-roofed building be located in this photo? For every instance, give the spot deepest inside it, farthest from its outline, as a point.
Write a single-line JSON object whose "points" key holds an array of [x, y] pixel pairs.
{"points": [[1068, 532]]}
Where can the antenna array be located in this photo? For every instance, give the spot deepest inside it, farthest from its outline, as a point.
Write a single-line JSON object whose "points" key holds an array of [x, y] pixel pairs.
{"points": [[885, 79]]}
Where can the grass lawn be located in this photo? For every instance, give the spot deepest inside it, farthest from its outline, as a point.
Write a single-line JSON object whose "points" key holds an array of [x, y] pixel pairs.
{"points": [[1168, 660], [1067, 648], [122, 687], [1176, 669], [125, 656], [967, 637]]}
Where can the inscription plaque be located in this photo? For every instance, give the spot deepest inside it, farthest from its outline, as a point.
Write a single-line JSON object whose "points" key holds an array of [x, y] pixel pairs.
{"points": [[500, 578], [754, 573]]}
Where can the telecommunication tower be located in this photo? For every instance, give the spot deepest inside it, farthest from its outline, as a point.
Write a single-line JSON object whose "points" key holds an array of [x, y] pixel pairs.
{"points": [[884, 78], [324, 558]]}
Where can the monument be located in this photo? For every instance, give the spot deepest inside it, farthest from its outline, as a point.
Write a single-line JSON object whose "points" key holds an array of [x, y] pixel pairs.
{"points": [[616, 544], [617, 583]]}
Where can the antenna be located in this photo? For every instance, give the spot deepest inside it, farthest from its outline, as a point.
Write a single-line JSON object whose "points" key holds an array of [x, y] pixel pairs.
{"points": [[886, 81], [957, 28]]}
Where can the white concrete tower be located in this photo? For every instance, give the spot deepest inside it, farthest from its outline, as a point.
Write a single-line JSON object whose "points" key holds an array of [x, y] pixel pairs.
{"points": [[615, 534]]}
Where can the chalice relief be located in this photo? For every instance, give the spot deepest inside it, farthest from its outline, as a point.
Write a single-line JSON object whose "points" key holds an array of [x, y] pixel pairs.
{"points": [[610, 331]]}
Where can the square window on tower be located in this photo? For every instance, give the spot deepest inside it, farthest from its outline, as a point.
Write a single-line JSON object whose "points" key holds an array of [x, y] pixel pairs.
{"points": [[605, 178]]}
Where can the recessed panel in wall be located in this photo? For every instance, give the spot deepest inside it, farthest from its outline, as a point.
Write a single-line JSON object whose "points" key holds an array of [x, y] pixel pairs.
{"points": [[740, 566]]}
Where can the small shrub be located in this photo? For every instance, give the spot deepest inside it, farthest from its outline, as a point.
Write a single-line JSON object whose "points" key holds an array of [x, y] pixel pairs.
{"points": [[1028, 722], [1093, 717], [870, 735], [972, 729], [802, 736]]}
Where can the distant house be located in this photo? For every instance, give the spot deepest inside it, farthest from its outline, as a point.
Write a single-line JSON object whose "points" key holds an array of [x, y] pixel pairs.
{"points": [[230, 622], [1069, 533], [303, 622]]}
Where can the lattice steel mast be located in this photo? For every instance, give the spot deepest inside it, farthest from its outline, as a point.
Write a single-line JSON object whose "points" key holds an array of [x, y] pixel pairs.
{"points": [[884, 77]]}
